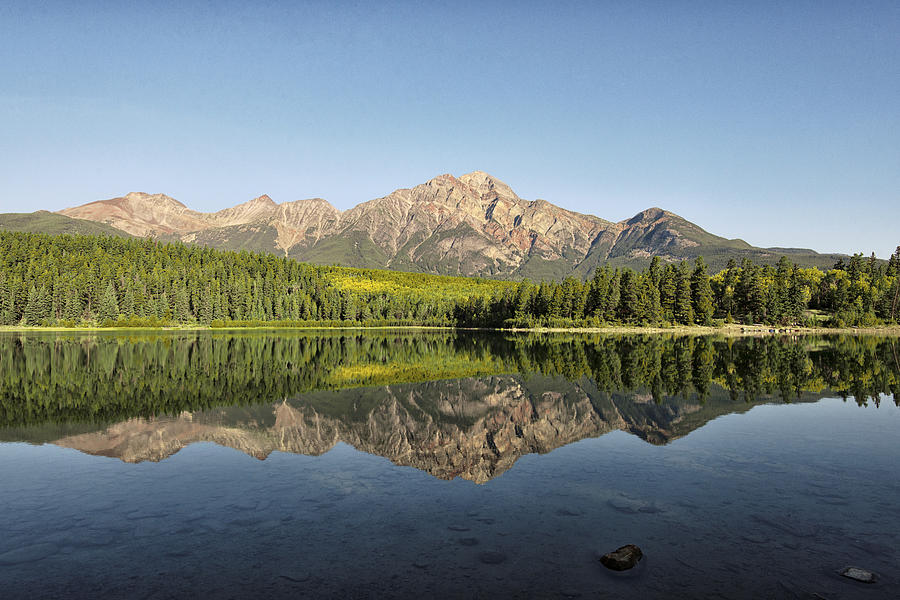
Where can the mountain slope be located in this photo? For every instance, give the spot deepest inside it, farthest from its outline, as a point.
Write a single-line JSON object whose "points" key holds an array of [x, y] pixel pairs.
{"points": [[43, 221], [469, 225]]}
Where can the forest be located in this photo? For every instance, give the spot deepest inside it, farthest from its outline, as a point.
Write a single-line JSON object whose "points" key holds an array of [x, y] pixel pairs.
{"points": [[76, 280]]}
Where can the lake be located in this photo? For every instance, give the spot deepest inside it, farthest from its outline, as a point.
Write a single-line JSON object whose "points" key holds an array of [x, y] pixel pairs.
{"points": [[438, 464]]}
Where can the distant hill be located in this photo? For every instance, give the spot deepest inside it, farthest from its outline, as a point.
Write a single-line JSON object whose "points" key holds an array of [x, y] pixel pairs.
{"points": [[43, 221], [468, 225]]}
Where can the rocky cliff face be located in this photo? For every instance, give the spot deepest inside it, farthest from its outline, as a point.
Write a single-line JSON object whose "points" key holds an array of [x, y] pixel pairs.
{"points": [[469, 225], [470, 428]]}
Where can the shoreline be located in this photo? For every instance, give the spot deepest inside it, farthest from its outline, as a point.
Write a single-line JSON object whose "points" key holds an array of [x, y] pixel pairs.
{"points": [[727, 330], [731, 330]]}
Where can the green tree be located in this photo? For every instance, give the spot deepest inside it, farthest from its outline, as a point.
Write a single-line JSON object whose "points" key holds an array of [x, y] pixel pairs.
{"points": [[684, 309], [73, 310], [108, 307], [128, 300], [701, 294], [37, 310]]}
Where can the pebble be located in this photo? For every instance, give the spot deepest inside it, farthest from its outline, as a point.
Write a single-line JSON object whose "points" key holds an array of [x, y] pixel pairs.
{"points": [[622, 559], [858, 574]]}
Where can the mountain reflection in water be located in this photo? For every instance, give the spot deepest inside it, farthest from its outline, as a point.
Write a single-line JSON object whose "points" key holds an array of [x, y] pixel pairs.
{"points": [[453, 405]]}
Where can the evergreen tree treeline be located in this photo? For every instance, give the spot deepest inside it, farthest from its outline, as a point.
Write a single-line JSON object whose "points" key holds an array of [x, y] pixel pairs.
{"points": [[50, 280], [862, 292]]}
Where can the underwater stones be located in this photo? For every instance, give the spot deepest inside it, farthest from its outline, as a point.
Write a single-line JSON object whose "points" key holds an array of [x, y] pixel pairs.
{"points": [[631, 506], [858, 574], [622, 558]]}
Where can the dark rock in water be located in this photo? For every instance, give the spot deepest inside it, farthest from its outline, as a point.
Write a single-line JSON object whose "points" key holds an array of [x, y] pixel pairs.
{"points": [[623, 558], [469, 541], [858, 574]]}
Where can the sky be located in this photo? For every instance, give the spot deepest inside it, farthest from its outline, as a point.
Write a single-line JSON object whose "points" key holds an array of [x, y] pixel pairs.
{"points": [[778, 123]]}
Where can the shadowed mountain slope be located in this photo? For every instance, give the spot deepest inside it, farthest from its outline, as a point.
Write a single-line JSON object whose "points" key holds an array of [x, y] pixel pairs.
{"points": [[43, 221]]}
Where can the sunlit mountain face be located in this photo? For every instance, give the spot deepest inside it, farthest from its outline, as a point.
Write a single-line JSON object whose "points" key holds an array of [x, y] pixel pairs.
{"points": [[473, 224]]}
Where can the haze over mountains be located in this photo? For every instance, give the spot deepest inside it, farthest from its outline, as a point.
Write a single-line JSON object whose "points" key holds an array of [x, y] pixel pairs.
{"points": [[469, 225]]}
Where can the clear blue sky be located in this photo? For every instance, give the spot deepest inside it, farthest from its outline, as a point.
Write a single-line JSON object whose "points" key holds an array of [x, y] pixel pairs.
{"points": [[775, 122]]}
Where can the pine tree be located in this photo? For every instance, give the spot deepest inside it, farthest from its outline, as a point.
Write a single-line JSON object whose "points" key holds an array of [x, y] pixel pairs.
{"points": [[701, 294], [182, 306], [38, 307], [612, 298], [894, 267], [5, 313], [684, 309], [108, 306], [650, 294], [73, 310], [726, 302], [557, 302], [128, 300], [668, 291], [630, 298], [206, 306], [348, 308]]}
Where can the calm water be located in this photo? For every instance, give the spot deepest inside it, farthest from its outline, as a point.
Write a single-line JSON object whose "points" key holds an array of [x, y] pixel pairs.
{"points": [[446, 465]]}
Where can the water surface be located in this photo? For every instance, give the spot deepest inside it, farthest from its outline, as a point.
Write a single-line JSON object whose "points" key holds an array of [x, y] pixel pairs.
{"points": [[464, 465]]}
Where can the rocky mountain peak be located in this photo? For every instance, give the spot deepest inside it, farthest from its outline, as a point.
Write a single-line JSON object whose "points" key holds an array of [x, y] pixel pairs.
{"points": [[486, 183], [312, 202], [443, 180], [650, 214], [264, 199], [155, 200]]}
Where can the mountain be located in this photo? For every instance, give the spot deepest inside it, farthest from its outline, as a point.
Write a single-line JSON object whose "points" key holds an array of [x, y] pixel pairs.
{"points": [[469, 225], [43, 221]]}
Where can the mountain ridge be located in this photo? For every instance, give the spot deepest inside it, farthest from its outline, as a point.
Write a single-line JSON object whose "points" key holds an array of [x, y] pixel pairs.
{"points": [[474, 225]]}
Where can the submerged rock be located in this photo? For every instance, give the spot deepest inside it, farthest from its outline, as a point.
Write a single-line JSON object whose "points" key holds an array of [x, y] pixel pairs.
{"points": [[858, 574], [622, 558]]}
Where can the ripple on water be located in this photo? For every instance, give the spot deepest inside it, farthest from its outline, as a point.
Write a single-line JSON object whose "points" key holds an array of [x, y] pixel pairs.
{"points": [[26, 554]]}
